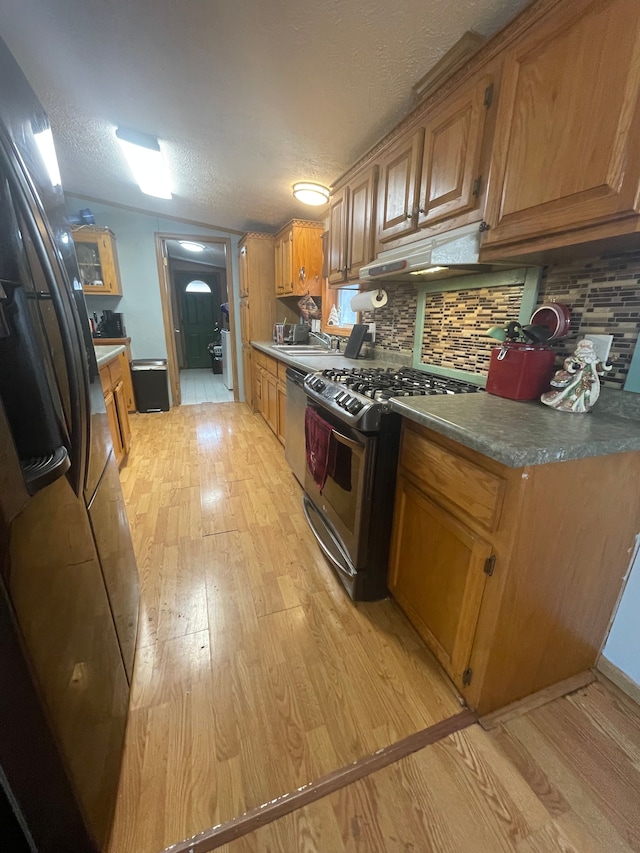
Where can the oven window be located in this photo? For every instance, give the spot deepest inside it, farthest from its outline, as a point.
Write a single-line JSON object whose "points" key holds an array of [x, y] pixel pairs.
{"points": [[343, 488]]}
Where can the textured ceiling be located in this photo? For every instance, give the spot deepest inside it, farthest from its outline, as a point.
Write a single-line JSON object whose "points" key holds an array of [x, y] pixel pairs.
{"points": [[247, 97]]}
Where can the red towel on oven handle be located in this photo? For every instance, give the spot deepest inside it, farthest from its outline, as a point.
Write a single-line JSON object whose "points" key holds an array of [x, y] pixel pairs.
{"points": [[317, 435]]}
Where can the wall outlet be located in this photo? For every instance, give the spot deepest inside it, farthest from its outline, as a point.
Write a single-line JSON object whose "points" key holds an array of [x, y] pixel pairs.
{"points": [[372, 332], [602, 345]]}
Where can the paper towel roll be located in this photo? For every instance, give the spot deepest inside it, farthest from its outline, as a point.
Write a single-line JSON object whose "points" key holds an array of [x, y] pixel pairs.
{"points": [[369, 300]]}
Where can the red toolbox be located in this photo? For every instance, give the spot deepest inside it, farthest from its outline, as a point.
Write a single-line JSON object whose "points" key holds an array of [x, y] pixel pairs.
{"points": [[520, 371]]}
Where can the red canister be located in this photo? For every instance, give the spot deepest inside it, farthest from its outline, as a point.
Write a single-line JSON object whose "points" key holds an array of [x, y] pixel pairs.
{"points": [[520, 371]]}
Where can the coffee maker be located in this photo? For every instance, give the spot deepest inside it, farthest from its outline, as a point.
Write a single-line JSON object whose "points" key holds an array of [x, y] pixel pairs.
{"points": [[111, 325]]}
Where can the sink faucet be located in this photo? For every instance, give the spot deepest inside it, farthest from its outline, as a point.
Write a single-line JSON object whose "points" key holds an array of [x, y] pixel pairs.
{"points": [[326, 339]]}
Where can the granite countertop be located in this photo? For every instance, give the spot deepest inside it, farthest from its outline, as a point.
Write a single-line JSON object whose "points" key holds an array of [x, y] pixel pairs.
{"points": [[315, 363], [519, 433], [106, 353], [514, 433]]}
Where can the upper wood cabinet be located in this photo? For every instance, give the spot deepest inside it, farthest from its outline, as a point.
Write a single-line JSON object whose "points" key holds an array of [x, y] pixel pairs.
{"points": [[455, 156], [398, 186], [351, 226], [97, 260], [298, 259], [566, 157], [257, 304]]}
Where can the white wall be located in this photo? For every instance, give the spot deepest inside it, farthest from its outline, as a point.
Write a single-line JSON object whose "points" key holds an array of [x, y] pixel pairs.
{"points": [[622, 648], [140, 302]]}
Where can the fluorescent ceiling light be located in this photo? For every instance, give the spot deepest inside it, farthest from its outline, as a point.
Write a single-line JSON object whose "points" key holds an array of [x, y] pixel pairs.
{"points": [[44, 140], [145, 160], [191, 247], [310, 193], [428, 270]]}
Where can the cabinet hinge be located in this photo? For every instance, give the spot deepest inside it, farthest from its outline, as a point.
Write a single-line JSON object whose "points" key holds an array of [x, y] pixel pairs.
{"points": [[489, 565], [467, 675], [488, 96], [477, 186]]}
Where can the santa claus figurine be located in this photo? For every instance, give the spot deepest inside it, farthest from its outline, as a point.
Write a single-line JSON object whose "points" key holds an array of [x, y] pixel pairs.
{"points": [[577, 386]]}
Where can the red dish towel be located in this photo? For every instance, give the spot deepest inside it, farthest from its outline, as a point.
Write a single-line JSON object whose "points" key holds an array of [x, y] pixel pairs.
{"points": [[317, 435]]}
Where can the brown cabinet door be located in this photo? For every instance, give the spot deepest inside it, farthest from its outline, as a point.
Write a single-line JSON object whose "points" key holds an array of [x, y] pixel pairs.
{"points": [[123, 417], [114, 426], [287, 263], [437, 576], [451, 178], [338, 236], [271, 403], [125, 369], [247, 377], [278, 267], [97, 261], [281, 401], [567, 146], [398, 187], [243, 271], [360, 221], [245, 326]]}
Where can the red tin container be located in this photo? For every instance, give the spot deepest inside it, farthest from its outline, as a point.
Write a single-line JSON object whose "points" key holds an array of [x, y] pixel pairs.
{"points": [[520, 371]]}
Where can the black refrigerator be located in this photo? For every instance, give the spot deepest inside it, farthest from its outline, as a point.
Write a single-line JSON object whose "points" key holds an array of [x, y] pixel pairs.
{"points": [[68, 577]]}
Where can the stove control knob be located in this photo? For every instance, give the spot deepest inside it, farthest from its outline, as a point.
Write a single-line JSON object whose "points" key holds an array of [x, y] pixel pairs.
{"points": [[354, 406], [344, 402], [340, 397], [319, 385]]}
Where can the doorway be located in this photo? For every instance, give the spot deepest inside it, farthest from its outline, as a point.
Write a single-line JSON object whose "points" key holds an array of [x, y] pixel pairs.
{"points": [[197, 305], [199, 300]]}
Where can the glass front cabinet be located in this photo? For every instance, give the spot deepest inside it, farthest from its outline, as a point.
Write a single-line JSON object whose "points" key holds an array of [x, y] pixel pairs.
{"points": [[97, 260]]}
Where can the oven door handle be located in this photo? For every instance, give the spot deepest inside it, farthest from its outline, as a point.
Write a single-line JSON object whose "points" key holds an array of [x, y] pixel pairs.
{"points": [[345, 570], [348, 442]]}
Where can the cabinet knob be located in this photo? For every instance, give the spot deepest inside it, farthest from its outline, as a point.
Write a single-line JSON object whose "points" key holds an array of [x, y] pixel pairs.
{"points": [[421, 210], [345, 269], [408, 215]]}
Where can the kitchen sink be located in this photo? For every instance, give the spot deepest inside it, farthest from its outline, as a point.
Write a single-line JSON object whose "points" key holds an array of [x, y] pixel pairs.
{"points": [[304, 349]]}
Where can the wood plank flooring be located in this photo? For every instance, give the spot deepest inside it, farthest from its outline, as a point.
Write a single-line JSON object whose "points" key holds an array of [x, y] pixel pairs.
{"points": [[564, 777], [255, 674]]}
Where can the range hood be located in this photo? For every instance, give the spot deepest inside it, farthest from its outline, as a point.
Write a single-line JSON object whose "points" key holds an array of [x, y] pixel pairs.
{"points": [[447, 255]]}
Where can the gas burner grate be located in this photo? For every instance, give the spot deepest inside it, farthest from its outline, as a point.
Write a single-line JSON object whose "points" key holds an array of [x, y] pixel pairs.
{"points": [[382, 384]]}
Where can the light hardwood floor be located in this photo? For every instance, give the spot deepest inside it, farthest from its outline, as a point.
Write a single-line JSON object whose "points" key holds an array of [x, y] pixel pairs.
{"points": [[564, 778], [254, 674]]}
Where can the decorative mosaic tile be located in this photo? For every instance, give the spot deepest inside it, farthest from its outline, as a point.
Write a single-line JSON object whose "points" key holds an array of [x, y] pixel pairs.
{"points": [[602, 293]]}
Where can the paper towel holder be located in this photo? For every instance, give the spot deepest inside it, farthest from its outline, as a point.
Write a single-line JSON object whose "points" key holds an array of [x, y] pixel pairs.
{"points": [[377, 300]]}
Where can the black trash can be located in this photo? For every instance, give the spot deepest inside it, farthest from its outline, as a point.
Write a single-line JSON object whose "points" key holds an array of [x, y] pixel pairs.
{"points": [[149, 376]]}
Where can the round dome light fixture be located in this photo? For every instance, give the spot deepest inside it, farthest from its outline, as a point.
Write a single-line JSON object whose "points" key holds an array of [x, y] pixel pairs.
{"points": [[191, 246], [309, 193]]}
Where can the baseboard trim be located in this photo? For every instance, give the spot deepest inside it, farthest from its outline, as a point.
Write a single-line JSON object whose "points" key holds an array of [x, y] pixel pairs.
{"points": [[248, 822], [536, 700], [619, 678]]}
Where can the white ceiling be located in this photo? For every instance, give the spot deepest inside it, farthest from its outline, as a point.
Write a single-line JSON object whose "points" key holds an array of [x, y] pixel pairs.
{"points": [[247, 96]]}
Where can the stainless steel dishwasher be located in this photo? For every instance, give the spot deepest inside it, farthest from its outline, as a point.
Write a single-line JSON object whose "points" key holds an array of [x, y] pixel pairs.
{"points": [[294, 450]]}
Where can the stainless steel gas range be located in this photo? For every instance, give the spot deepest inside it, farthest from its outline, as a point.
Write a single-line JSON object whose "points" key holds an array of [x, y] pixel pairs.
{"points": [[349, 498]]}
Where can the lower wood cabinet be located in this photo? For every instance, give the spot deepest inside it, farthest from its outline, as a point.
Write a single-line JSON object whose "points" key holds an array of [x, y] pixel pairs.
{"points": [[511, 575], [270, 392], [437, 575], [116, 403]]}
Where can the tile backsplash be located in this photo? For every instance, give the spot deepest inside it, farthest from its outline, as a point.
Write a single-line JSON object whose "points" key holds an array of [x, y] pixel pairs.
{"points": [[602, 293]]}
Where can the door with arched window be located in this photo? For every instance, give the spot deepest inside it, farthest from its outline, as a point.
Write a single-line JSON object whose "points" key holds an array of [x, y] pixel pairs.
{"points": [[199, 296]]}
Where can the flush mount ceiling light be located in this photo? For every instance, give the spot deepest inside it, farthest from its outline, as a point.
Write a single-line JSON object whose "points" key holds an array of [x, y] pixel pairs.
{"points": [[145, 160], [191, 247], [310, 193]]}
